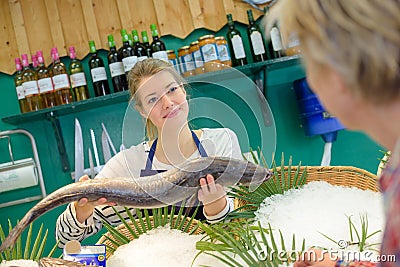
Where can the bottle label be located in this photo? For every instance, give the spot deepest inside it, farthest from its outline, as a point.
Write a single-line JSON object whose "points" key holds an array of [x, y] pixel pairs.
{"points": [[276, 39], [223, 52], [116, 69], [78, 79], [30, 88], [198, 60], [60, 81], [174, 62], [20, 92], [188, 62], [209, 52], [129, 62], [45, 85], [161, 55], [142, 58], [238, 48], [98, 74], [257, 43]]}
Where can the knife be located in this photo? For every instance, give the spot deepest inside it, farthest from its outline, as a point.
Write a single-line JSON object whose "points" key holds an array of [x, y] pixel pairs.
{"points": [[96, 154], [109, 139], [106, 147], [91, 164], [79, 157]]}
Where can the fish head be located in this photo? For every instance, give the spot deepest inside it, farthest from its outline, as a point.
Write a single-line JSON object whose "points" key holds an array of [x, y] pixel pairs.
{"points": [[234, 171]]}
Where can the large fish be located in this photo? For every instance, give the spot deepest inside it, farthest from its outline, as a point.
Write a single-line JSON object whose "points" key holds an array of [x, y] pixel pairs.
{"points": [[155, 191]]}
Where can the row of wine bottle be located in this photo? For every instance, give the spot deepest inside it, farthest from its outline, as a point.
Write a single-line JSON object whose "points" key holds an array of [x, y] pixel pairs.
{"points": [[41, 87], [44, 87], [210, 53], [260, 49]]}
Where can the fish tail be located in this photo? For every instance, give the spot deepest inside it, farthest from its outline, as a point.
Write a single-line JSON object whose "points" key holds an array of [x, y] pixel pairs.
{"points": [[17, 231]]}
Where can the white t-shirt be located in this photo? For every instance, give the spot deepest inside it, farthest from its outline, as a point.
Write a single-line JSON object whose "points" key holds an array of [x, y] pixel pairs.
{"points": [[221, 142]]}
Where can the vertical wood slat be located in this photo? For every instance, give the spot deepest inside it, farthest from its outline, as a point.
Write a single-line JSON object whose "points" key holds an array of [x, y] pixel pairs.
{"points": [[90, 22], [37, 26], [56, 30], [31, 25], [73, 26], [135, 14], [144, 14], [19, 27], [107, 20], [8, 43], [125, 18], [208, 14], [229, 7], [174, 17], [241, 11]]}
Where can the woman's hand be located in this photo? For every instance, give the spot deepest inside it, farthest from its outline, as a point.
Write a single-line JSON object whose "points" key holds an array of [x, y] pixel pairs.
{"points": [[212, 195], [84, 208], [315, 258]]}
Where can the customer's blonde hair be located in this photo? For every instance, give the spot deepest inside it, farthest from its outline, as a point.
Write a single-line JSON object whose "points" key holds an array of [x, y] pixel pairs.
{"points": [[144, 69], [359, 39]]}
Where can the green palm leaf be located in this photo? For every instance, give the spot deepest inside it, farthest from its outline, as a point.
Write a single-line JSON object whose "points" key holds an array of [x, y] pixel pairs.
{"points": [[253, 244], [25, 250], [231, 241], [144, 222]]}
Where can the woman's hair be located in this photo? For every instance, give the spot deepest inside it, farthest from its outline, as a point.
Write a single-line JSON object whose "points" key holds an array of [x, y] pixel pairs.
{"points": [[359, 39], [144, 69]]}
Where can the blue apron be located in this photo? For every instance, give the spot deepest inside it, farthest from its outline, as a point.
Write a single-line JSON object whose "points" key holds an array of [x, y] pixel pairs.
{"points": [[148, 171]]}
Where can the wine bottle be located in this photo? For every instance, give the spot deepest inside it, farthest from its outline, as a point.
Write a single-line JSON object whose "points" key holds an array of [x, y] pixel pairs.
{"points": [[158, 49], [45, 82], [18, 86], [139, 49], [127, 53], [98, 72], [60, 80], [77, 76], [258, 51], [145, 42], [235, 42], [29, 83], [276, 41], [116, 67]]}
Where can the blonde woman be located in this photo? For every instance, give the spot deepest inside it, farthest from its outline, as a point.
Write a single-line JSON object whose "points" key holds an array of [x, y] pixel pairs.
{"points": [[351, 52], [160, 97]]}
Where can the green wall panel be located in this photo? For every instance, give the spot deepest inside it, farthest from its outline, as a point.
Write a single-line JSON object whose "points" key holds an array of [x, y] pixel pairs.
{"points": [[351, 148]]}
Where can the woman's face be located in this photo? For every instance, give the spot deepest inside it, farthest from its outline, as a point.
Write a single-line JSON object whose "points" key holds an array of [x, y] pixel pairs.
{"points": [[163, 100]]}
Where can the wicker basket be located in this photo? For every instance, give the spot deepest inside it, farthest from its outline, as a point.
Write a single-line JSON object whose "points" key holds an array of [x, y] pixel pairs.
{"points": [[335, 175], [193, 227]]}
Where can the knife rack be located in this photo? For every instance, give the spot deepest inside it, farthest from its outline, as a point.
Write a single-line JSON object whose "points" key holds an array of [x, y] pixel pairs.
{"points": [[29, 169]]}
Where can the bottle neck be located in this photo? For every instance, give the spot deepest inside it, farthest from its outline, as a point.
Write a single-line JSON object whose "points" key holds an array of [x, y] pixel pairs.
{"points": [[154, 33], [111, 45], [250, 16], [145, 39]]}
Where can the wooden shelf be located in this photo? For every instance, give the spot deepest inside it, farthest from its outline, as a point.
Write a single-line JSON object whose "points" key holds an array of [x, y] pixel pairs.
{"points": [[122, 97]]}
